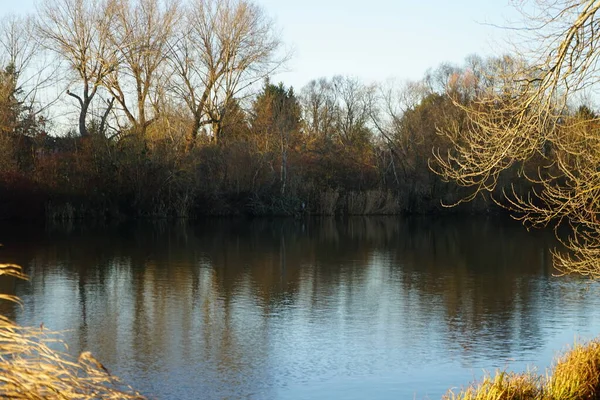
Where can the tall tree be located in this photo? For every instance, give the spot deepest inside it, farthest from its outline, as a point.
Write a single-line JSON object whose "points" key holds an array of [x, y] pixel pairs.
{"points": [[276, 115], [223, 48], [338, 109], [18, 44], [10, 107], [139, 36], [22, 54], [353, 111], [78, 31]]}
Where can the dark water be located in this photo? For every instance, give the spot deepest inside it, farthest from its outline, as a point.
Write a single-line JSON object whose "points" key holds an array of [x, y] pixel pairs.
{"points": [[367, 308]]}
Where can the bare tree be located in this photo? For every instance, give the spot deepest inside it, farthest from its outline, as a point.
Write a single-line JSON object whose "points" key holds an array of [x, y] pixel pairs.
{"points": [[394, 101], [223, 48], [318, 100], [78, 32], [338, 109], [353, 109], [527, 113], [21, 54], [139, 36], [18, 45]]}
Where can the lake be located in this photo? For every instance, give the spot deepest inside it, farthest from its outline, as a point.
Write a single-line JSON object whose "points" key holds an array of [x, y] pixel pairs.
{"points": [[359, 308]]}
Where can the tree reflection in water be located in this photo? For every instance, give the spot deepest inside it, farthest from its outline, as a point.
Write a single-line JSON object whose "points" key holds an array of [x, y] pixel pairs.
{"points": [[286, 308]]}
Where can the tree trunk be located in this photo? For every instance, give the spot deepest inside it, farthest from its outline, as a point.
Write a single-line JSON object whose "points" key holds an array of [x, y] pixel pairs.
{"points": [[82, 117], [192, 134], [283, 173]]}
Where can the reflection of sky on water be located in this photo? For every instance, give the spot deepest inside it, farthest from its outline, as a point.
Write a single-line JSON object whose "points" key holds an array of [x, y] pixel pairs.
{"points": [[366, 308]]}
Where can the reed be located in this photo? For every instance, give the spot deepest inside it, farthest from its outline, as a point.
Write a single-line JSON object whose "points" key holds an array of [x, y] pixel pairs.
{"points": [[502, 386], [574, 376], [327, 202], [372, 202], [31, 368]]}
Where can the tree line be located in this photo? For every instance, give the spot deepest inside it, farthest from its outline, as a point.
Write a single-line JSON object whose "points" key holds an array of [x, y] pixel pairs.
{"points": [[162, 108]]}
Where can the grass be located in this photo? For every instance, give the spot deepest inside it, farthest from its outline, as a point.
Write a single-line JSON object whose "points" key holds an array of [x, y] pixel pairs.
{"points": [[574, 376], [502, 386], [30, 368]]}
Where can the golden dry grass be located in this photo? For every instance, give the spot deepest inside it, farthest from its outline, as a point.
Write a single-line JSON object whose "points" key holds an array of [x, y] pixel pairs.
{"points": [[502, 386], [31, 368], [574, 376]]}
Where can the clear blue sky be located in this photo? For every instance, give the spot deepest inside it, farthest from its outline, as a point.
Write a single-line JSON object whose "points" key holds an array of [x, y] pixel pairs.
{"points": [[379, 39], [375, 39]]}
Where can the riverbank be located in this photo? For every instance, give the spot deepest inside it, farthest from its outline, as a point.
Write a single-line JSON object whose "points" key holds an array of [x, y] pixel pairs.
{"points": [[36, 204]]}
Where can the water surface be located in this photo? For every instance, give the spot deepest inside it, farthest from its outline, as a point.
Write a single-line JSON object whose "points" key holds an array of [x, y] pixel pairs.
{"points": [[365, 308]]}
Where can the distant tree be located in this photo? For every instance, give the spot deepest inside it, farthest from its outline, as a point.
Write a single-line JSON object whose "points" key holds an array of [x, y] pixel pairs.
{"points": [[585, 113], [235, 125], [319, 108], [276, 117], [19, 47], [10, 107], [19, 124], [354, 102], [408, 122], [338, 109], [388, 119]]}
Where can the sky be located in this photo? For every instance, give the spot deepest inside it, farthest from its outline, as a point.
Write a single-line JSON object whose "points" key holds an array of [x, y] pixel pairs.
{"points": [[375, 40]]}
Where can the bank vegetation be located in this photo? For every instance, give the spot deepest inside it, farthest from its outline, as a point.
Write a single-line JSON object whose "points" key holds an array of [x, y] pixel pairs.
{"points": [[574, 376], [162, 108]]}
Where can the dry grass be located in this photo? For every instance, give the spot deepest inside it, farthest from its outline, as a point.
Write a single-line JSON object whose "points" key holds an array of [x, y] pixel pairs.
{"points": [[327, 202], [30, 368], [574, 376], [503, 386], [372, 202]]}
